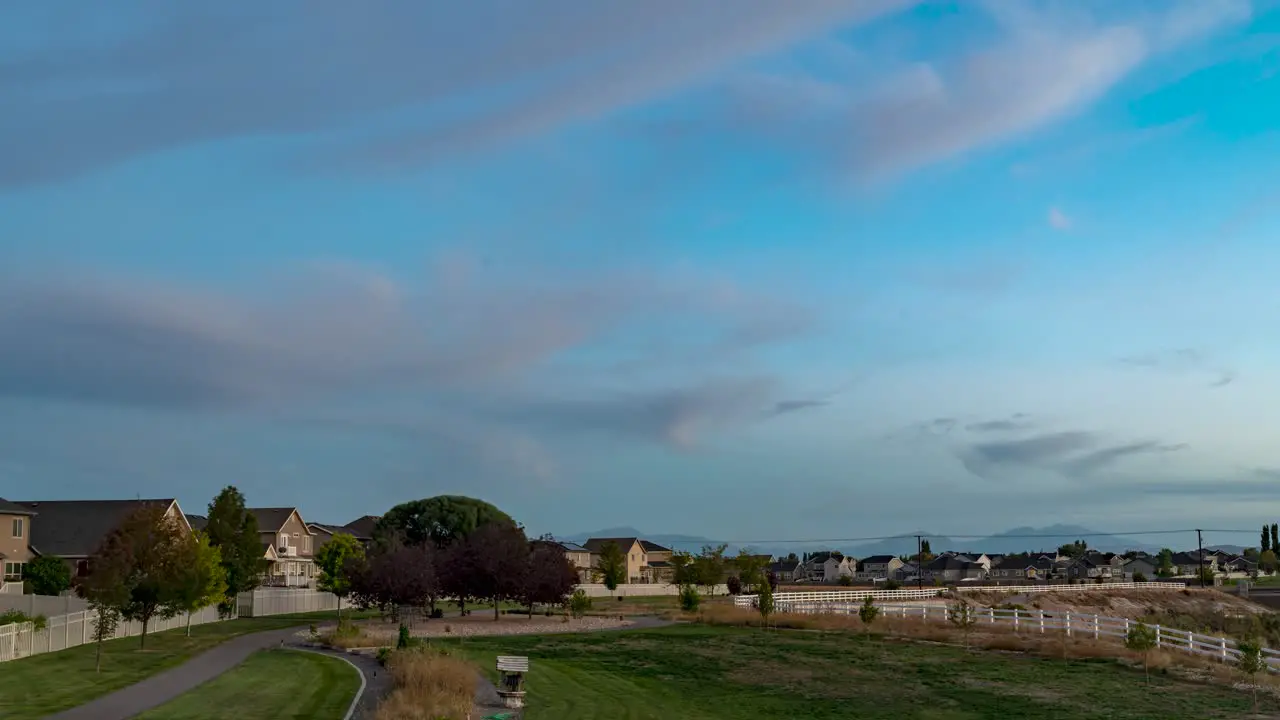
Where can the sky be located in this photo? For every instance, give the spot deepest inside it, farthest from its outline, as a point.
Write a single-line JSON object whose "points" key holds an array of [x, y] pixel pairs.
{"points": [[828, 268]]}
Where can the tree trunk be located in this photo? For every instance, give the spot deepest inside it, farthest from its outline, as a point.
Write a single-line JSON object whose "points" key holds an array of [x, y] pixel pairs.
{"points": [[339, 609], [495, 608], [145, 620], [188, 624], [97, 660]]}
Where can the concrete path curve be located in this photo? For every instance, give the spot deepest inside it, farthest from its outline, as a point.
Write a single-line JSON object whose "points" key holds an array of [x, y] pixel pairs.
{"points": [[160, 689]]}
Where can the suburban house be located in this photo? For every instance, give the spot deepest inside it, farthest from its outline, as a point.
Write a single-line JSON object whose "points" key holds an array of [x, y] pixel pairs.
{"points": [[787, 570], [632, 551], [1238, 564], [323, 532], [951, 568], [1143, 565], [579, 557], [15, 547], [288, 546], [363, 526], [73, 529], [878, 567], [828, 567], [1016, 567], [1189, 563], [657, 560], [979, 558]]}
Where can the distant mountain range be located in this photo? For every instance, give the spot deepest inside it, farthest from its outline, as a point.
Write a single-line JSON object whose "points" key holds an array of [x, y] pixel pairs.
{"points": [[1015, 540]]}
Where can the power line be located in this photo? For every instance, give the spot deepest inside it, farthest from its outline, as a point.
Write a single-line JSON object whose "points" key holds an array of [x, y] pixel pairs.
{"points": [[948, 536]]}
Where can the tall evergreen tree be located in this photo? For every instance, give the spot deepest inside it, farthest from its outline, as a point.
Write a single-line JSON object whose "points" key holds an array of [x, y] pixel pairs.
{"points": [[1275, 537], [234, 531], [1266, 539]]}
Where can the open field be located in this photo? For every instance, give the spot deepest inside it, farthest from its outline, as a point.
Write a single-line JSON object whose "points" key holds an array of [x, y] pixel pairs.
{"points": [[698, 672], [37, 686], [270, 684]]}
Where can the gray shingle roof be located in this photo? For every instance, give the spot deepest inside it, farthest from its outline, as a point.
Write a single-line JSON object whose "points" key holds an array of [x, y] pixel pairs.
{"points": [[653, 547], [198, 522], [363, 525], [75, 528], [12, 508], [335, 529], [271, 519], [595, 544]]}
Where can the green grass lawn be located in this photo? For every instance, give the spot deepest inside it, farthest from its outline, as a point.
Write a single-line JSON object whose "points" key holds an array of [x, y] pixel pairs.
{"points": [[268, 685], [43, 684], [697, 672]]}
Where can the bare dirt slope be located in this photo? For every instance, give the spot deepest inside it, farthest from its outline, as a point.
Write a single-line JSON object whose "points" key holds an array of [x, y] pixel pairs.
{"points": [[1133, 604]]}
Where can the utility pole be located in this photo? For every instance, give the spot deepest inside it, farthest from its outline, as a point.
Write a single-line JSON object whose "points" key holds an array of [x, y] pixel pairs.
{"points": [[1200, 554], [919, 563]]}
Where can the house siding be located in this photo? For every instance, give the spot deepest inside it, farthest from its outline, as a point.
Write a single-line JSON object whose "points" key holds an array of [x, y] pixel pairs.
{"points": [[14, 549], [298, 569]]}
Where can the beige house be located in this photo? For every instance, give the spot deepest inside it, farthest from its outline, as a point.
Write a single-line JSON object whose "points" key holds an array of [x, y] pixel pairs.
{"points": [[73, 529], [289, 547], [657, 560], [579, 557], [15, 547], [632, 551]]}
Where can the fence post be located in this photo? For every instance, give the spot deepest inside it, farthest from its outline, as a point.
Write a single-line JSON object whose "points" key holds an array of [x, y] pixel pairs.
{"points": [[1068, 616], [1095, 627], [1041, 614], [991, 614], [1224, 649], [1159, 636], [1015, 619]]}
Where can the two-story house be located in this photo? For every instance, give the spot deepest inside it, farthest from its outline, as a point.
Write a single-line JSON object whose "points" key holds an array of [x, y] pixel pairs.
{"points": [[579, 557], [73, 529], [323, 532], [657, 559], [632, 551], [288, 546], [950, 568], [787, 570], [829, 567], [1015, 567], [878, 567], [15, 546]]}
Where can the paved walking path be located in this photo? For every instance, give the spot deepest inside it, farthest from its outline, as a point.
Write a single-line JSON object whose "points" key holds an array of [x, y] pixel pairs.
{"points": [[160, 689], [377, 681]]}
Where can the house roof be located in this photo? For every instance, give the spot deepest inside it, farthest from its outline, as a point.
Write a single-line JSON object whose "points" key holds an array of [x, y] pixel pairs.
{"points": [[879, 559], [12, 508], [1015, 562], [952, 563], [596, 544], [269, 551], [272, 519], [197, 522], [75, 528], [335, 529], [660, 564], [784, 566], [363, 525], [653, 547]]}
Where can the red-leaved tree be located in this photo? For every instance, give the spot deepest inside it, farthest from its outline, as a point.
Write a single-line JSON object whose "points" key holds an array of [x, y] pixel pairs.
{"points": [[550, 578]]}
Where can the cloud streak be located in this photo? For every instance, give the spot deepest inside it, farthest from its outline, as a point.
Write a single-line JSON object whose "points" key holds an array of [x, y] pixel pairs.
{"points": [[1076, 454]]}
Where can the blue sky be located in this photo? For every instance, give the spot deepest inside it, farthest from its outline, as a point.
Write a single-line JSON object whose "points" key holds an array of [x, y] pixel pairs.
{"points": [[830, 269]]}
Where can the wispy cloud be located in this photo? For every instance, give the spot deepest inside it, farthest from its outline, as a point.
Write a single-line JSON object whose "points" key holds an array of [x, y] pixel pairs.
{"points": [[1183, 361], [1058, 220], [1073, 453]]}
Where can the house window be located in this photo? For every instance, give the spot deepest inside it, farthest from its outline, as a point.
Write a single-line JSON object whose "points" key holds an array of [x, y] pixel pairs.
{"points": [[13, 570], [18, 528], [306, 543]]}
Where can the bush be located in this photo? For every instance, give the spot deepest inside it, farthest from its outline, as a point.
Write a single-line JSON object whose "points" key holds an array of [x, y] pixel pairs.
{"points": [[12, 617], [579, 603], [735, 584], [892, 585], [846, 580], [1139, 577], [402, 641], [689, 598], [382, 655], [436, 614]]}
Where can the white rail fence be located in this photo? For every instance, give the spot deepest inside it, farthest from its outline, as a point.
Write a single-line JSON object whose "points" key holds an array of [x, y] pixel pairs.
{"points": [[1073, 625], [640, 590], [21, 640], [838, 596]]}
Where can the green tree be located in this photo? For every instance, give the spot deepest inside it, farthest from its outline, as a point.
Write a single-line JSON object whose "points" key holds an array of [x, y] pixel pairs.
{"points": [[1266, 538], [764, 603], [234, 531], [579, 603], [709, 567], [962, 616], [201, 580], [1142, 639], [1275, 537], [868, 613], [144, 555], [1074, 550], [682, 568], [1164, 563], [751, 569], [441, 520], [611, 566], [1267, 562], [689, 598], [333, 559], [106, 587], [1251, 662], [924, 548], [47, 575]]}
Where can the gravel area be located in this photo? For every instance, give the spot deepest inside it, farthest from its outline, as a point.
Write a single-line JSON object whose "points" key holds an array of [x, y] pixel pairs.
{"points": [[386, 633]]}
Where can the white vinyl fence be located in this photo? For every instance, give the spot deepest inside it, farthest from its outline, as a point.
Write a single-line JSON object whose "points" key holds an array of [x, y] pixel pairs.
{"points": [[840, 596], [285, 601], [67, 631], [1074, 625], [639, 590], [47, 605]]}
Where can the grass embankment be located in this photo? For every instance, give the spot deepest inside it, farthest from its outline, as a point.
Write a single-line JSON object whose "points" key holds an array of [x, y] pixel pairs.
{"points": [[703, 672], [270, 684], [44, 684]]}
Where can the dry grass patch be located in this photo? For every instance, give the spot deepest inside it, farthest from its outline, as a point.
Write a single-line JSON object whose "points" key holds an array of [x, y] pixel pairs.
{"points": [[428, 685]]}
